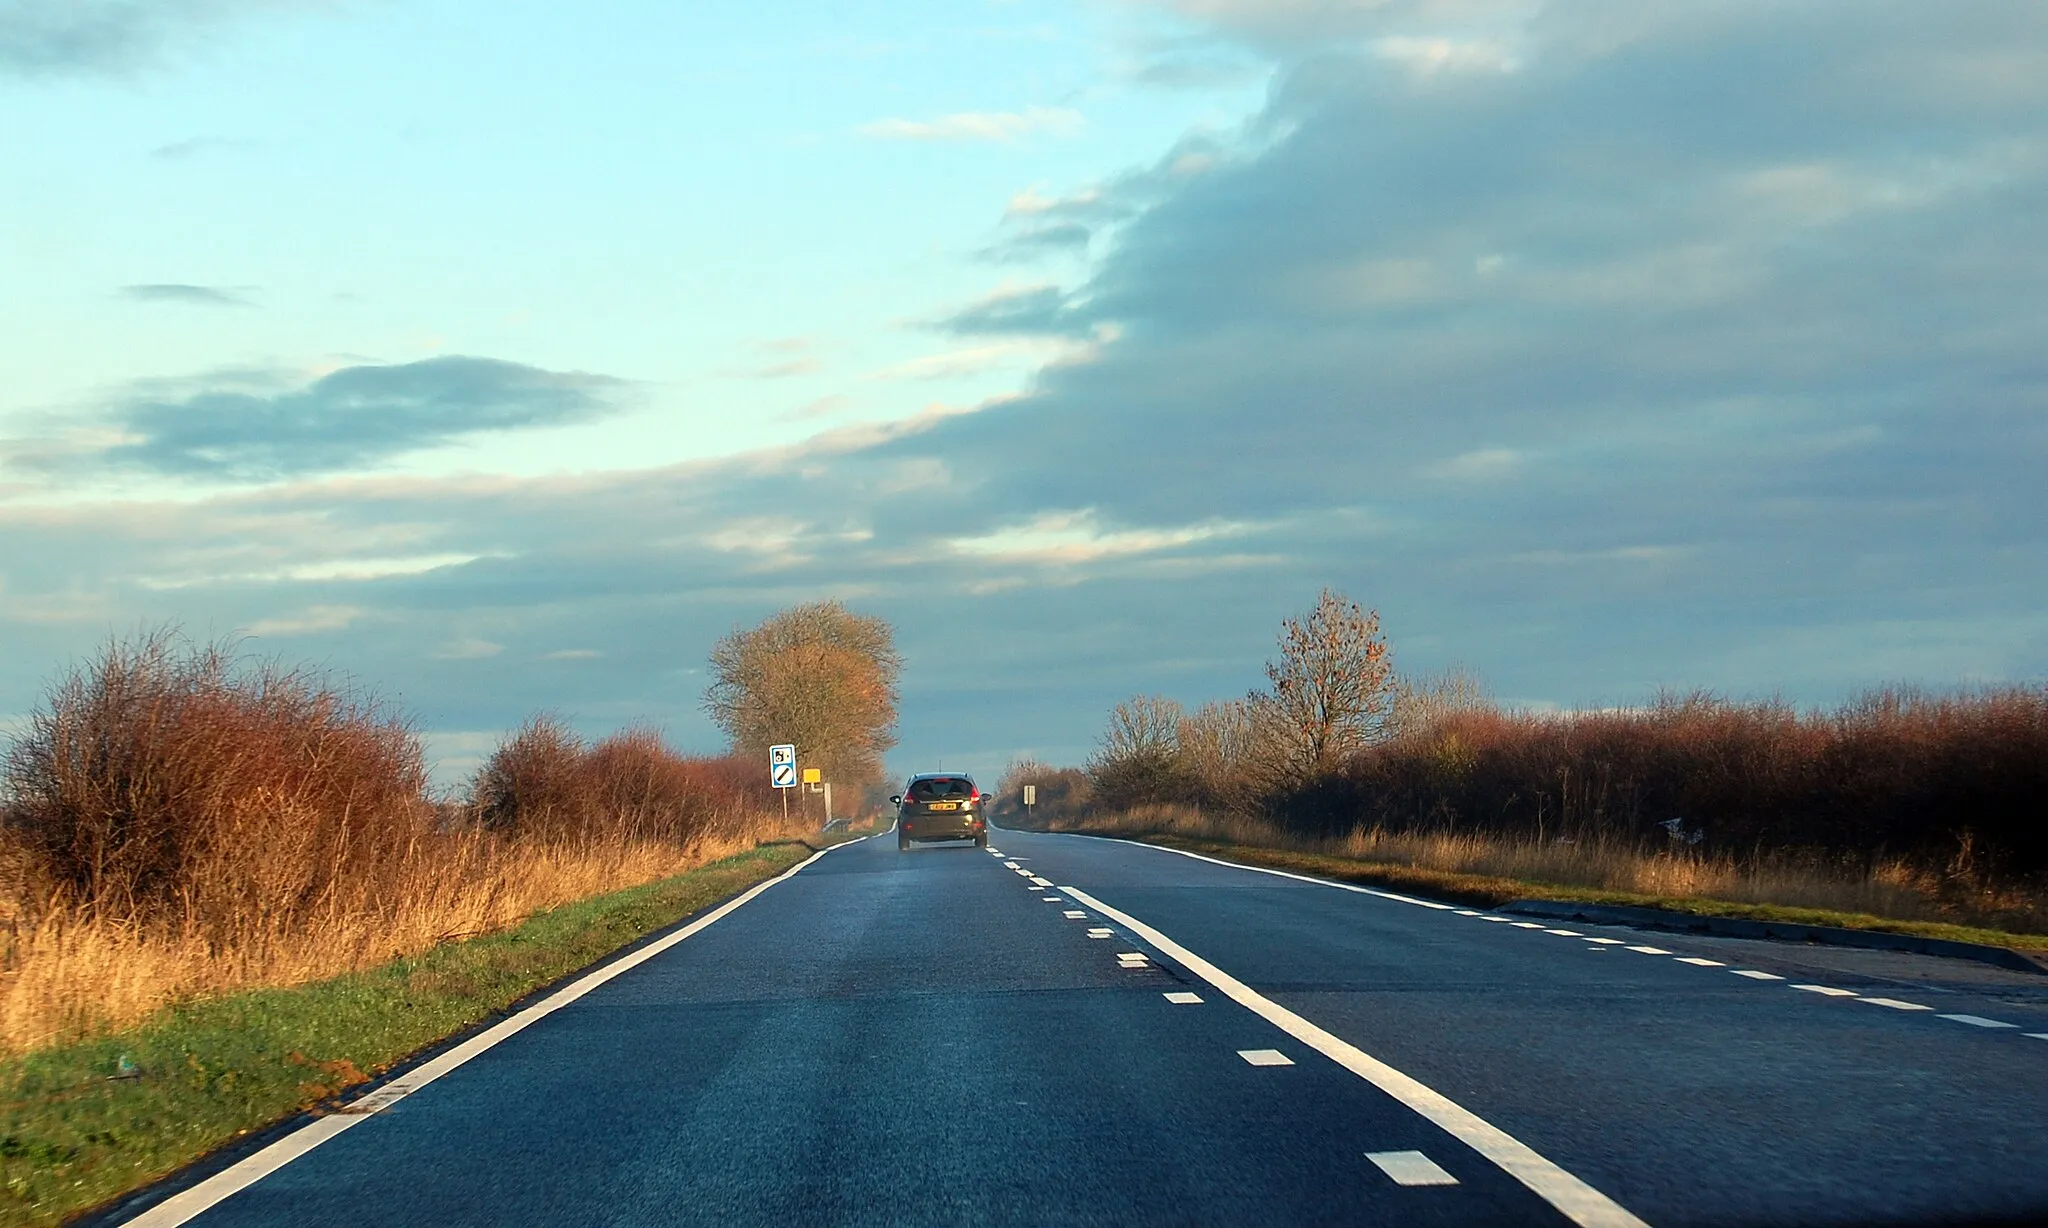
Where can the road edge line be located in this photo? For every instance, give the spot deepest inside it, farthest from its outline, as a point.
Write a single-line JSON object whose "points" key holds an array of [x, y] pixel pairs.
{"points": [[197, 1199], [1239, 865], [1572, 1197]]}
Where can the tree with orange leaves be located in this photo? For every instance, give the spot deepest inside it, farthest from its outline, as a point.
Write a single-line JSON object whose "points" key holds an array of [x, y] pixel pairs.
{"points": [[1332, 688], [817, 675]]}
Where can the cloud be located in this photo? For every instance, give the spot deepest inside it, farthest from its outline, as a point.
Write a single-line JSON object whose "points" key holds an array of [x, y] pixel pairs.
{"points": [[53, 37], [240, 428], [999, 127], [971, 360], [1031, 310], [172, 292]]}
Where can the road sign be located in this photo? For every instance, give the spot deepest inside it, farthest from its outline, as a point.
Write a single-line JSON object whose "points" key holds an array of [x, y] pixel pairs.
{"points": [[782, 766], [1030, 795], [813, 775], [785, 753]]}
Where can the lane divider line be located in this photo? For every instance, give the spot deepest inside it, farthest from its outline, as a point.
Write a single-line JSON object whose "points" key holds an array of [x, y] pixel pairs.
{"points": [[1977, 1021], [1895, 1004], [1828, 990], [1754, 975], [1700, 962], [1410, 1168], [188, 1203], [1573, 1198], [1181, 997], [1265, 1057]]}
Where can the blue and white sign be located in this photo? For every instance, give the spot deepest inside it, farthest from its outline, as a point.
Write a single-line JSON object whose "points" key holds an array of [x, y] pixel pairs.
{"points": [[782, 766]]}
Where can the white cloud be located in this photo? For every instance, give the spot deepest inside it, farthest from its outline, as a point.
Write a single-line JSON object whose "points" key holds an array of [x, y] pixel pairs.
{"points": [[1478, 465], [1000, 127], [309, 621]]}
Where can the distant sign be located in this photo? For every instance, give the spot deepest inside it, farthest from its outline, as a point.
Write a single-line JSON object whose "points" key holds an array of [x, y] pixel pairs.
{"points": [[782, 766], [813, 776], [1030, 795]]}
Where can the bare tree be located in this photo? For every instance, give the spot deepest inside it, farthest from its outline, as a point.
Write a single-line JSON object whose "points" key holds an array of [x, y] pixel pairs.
{"points": [[1221, 753], [1421, 704], [1139, 758], [1331, 688], [817, 675]]}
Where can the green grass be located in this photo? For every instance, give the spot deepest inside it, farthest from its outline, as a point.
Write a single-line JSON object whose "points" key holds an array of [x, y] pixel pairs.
{"points": [[1487, 891], [206, 1073]]}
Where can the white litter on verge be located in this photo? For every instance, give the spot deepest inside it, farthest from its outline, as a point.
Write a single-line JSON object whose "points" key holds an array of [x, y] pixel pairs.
{"points": [[1410, 1168]]}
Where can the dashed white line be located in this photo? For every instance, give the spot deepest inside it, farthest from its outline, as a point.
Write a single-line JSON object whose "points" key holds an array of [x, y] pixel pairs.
{"points": [[1098, 933], [1977, 1021], [2035, 1035], [1699, 962], [1527, 925], [1041, 882], [1573, 1198], [1651, 950], [1502, 920], [1895, 1004], [1565, 933], [1181, 997], [1265, 1057], [1410, 1168], [1075, 913], [1011, 865], [1468, 912], [1606, 942], [1754, 975], [1828, 990]]}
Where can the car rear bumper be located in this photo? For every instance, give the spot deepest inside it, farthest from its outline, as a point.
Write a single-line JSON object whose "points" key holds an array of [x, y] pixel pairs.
{"points": [[941, 826]]}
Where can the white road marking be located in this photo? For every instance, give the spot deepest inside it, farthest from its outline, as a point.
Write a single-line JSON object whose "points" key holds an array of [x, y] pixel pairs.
{"points": [[1829, 990], [1052, 899], [186, 1204], [1130, 955], [1265, 1057], [1527, 925], [1075, 913], [1577, 1201], [1300, 878], [1651, 950], [1606, 942], [1565, 933], [1698, 962], [1011, 865], [1181, 997], [1503, 920], [2035, 1035], [1977, 1021], [1098, 933], [1895, 1004], [1754, 975], [1041, 882], [1410, 1168], [1465, 912]]}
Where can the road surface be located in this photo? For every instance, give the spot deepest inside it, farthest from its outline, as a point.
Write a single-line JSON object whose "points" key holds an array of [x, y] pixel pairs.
{"points": [[1067, 1030]]}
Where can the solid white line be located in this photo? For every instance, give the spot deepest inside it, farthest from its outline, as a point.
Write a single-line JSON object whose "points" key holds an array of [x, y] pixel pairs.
{"points": [[1977, 1021], [1300, 878], [1410, 1168], [1895, 1004], [1579, 1202], [186, 1204], [1829, 990], [1265, 1057], [1697, 962], [1754, 975]]}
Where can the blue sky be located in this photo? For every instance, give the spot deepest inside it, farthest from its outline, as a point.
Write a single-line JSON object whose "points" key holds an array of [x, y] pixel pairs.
{"points": [[501, 357]]}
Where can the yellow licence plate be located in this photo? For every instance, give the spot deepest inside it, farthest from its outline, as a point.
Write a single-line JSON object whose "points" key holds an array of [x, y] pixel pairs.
{"points": [[943, 806]]}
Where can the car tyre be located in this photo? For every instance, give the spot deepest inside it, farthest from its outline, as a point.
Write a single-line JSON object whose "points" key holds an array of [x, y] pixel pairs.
{"points": [[902, 843], [981, 840]]}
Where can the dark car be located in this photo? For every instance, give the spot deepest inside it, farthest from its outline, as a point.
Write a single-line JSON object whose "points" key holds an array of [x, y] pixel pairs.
{"points": [[942, 806]]}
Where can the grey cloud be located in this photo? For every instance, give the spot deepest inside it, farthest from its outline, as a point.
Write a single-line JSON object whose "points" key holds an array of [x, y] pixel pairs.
{"points": [[351, 417], [1741, 348], [172, 292], [1034, 242], [1039, 310], [51, 37]]}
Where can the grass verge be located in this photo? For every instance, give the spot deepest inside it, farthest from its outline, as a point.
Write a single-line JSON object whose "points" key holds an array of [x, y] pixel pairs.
{"points": [[86, 1122], [1490, 891]]}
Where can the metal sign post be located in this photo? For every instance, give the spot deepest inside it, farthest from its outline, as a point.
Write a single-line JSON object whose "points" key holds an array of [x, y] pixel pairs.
{"points": [[782, 772]]}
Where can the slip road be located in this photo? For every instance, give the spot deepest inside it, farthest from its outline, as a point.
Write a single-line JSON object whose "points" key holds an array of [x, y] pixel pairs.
{"points": [[1076, 1031]]}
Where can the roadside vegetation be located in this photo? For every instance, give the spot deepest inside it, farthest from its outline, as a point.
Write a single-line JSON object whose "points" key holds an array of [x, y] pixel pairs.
{"points": [[227, 893], [1902, 809]]}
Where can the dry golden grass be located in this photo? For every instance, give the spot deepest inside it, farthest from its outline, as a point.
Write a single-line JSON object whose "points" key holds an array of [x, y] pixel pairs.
{"points": [[68, 973], [177, 825], [1893, 889]]}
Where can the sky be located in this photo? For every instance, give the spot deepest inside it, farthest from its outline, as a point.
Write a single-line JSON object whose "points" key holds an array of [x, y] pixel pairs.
{"points": [[500, 358]]}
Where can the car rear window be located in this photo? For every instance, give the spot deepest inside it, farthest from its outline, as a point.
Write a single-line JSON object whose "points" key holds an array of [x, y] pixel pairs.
{"points": [[940, 786]]}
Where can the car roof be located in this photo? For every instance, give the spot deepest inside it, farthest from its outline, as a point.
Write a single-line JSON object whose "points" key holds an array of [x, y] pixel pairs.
{"points": [[941, 776]]}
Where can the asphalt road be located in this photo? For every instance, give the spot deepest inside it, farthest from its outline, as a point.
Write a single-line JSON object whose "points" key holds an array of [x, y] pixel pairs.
{"points": [[938, 1037]]}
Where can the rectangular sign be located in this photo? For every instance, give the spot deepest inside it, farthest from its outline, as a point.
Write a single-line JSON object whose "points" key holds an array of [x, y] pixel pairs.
{"points": [[813, 775], [785, 753], [1030, 795], [782, 766]]}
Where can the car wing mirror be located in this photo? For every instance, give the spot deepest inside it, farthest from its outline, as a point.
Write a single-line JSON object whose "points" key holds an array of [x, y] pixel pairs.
{"points": [[896, 800]]}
